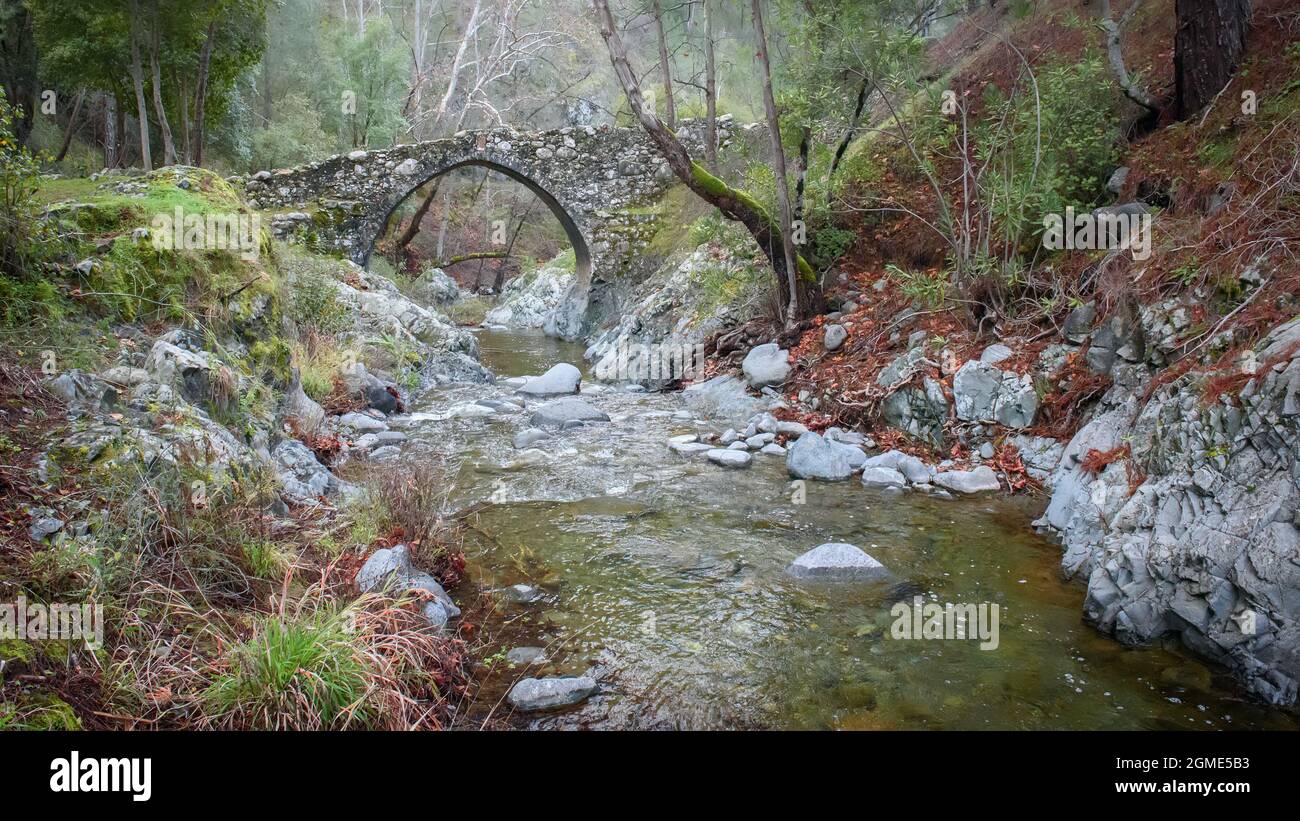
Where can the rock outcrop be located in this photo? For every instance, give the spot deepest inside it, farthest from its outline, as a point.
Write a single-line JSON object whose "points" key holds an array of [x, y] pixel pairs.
{"points": [[1190, 528]]}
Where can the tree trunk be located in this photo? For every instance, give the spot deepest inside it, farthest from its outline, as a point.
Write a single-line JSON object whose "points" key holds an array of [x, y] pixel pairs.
{"points": [[1208, 44], [72, 125], [666, 67], [443, 223], [110, 131], [710, 95], [734, 204], [414, 227], [169, 146], [137, 80], [201, 92], [794, 310]]}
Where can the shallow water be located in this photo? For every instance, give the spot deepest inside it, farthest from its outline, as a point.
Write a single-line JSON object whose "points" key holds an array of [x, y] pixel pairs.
{"points": [[664, 577]]}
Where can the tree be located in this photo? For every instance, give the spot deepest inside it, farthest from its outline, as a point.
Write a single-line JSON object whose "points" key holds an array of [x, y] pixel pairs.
{"points": [[794, 309], [710, 93], [1208, 45], [732, 203], [137, 81], [18, 63], [665, 65]]}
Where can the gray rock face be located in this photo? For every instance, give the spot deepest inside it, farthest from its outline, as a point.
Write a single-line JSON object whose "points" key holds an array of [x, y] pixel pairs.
{"points": [[978, 480], [722, 397], [300, 410], [391, 569], [982, 393], [301, 475], [1205, 548], [1079, 322], [561, 412], [882, 477], [560, 379], [765, 365], [837, 561], [833, 338], [919, 412], [550, 693], [729, 458], [911, 468], [44, 527], [812, 456]]}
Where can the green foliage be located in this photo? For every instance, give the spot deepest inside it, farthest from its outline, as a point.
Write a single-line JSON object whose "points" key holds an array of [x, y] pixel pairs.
{"points": [[470, 310], [296, 136], [305, 666], [27, 240], [1075, 148], [930, 289], [315, 304]]}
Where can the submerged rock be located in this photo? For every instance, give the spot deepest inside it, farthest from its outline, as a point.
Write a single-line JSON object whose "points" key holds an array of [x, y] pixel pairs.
{"points": [[549, 693], [729, 458], [722, 397], [837, 561], [561, 412], [529, 437]]}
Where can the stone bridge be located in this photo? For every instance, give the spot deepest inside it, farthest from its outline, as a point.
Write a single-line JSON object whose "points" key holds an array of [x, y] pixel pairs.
{"points": [[599, 182]]}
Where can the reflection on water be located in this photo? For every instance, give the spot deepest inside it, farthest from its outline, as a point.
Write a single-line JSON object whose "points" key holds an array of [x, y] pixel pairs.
{"points": [[665, 578]]}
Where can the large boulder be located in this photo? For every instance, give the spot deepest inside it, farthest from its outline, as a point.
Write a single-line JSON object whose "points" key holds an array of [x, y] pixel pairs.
{"points": [[530, 299], [549, 693], [984, 393], [837, 561], [561, 412], [813, 456], [767, 364], [722, 397], [391, 570], [560, 379], [979, 480], [300, 410], [921, 412], [301, 475]]}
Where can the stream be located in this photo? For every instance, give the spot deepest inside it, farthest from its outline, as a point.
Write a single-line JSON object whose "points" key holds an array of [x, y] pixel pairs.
{"points": [[664, 578]]}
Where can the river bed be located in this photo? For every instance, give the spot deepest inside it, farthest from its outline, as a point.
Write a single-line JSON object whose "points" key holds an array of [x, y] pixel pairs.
{"points": [[664, 578]]}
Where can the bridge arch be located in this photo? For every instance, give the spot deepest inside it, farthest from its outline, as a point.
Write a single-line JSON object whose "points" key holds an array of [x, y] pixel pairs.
{"points": [[573, 228], [601, 184]]}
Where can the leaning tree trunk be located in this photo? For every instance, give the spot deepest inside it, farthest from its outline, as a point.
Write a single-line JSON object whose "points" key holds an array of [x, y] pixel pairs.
{"points": [[1210, 39], [734, 204]]}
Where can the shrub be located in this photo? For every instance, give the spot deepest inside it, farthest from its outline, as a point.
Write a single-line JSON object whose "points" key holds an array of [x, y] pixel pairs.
{"points": [[295, 672]]}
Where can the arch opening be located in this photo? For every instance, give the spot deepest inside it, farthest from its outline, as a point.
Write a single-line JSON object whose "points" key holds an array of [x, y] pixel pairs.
{"points": [[572, 230]]}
